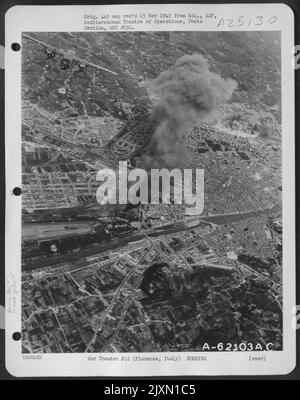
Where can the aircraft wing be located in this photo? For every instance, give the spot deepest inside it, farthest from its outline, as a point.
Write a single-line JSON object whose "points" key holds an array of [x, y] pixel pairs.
{"points": [[80, 60], [43, 44]]}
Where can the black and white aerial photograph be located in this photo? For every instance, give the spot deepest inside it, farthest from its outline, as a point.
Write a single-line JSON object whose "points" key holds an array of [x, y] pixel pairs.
{"points": [[151, 276]]}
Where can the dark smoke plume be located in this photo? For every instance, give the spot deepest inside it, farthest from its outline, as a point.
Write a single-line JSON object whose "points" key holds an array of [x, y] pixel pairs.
{"points": [[186, 92]]}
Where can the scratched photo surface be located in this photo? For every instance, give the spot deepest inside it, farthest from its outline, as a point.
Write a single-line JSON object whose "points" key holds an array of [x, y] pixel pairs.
{"points": [[150, 278]]}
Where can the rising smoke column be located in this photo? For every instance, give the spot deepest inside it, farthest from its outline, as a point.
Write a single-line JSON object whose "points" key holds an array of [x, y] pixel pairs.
{"points": [[185, 93]]}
